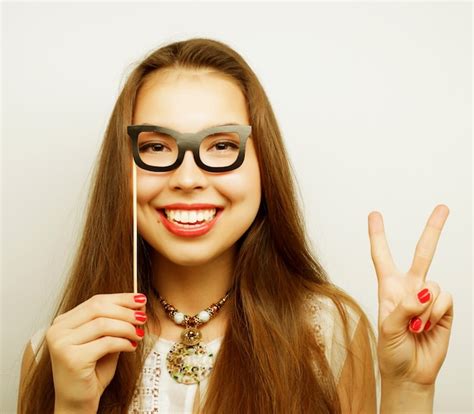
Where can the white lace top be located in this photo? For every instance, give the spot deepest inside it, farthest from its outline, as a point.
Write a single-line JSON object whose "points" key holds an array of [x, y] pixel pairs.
{"points": [[157, 392]]}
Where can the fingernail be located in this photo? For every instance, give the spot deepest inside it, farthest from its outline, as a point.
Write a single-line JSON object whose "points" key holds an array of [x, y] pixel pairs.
{"points": [[427, 326], [133, 343], [140, 316], [141, 298], [415, 323], [140, 332], [424, 295]]}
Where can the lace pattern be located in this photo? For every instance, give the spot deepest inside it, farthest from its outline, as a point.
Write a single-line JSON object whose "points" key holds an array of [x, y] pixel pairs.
{"points": [[313, 307], [145, 397]]}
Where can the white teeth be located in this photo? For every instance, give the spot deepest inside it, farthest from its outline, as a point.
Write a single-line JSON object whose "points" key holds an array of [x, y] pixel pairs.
{"points": [[190, 216]]}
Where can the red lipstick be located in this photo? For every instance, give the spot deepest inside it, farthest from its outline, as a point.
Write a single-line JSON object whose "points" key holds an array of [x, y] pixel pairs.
{"points": [[194, 229]]}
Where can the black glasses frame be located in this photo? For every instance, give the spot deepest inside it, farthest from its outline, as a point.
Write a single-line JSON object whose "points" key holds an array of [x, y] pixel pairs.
{"points": [[189, 142]]}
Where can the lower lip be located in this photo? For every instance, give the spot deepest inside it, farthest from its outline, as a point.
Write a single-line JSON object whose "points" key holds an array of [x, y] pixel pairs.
{"points": [[197, 230]]}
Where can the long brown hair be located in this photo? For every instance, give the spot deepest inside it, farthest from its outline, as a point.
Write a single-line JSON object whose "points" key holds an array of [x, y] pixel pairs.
{"points": [[266, 362]]}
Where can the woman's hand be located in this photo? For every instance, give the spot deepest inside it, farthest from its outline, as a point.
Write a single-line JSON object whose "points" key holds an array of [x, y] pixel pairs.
{"points": [[413, 330], [85, 344]]}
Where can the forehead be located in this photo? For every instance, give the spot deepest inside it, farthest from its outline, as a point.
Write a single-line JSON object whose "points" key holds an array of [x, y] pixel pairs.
{"points": [[190, 100]]}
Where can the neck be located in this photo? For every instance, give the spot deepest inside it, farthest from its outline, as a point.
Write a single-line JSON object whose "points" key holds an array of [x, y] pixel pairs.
{"points": [[191, 289]]}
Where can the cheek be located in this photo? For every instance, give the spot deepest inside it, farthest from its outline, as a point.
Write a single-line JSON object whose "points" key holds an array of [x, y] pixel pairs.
{"points": [[242, 187], [148, 187]]}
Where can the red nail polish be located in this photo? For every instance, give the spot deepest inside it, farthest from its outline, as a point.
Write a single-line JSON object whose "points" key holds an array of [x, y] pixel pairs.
{"points": [[140, 316], [141, 298], [424, 296], [140, 332], [134, 344], [427, 326], [415, 323]]}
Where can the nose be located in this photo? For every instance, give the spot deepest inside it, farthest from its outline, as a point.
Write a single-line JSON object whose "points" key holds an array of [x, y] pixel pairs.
{"points": [[188, 176]]}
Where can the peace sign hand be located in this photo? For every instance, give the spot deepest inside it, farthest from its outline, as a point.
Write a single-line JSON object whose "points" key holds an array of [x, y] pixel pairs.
{"points": [[413, 332]]}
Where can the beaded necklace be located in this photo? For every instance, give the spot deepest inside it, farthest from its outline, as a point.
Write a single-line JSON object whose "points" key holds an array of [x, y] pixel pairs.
{"points": [[189, 360]]}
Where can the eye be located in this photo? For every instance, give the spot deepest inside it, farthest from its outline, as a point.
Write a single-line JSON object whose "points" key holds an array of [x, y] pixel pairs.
{"points": [[157, 147], [224, 145], [153, 142]]}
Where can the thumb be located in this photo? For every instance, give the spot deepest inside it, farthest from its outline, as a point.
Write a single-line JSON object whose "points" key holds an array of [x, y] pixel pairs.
{"points": [[413, 305], [105, 369]]}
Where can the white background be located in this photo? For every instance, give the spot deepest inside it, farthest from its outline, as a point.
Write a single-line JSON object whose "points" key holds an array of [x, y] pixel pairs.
{"points": [[373, 99]]}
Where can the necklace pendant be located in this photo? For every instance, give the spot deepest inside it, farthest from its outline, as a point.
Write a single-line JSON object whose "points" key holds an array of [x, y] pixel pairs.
{"points": [[189, 364], [191, 336], [189, 361]]}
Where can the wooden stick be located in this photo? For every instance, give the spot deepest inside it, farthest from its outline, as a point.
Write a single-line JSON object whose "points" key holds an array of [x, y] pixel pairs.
{"points": [[135, 284]]}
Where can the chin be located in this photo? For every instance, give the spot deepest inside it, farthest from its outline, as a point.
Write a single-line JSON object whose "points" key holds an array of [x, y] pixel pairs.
{"points": [[189, 257], [190, 262]]}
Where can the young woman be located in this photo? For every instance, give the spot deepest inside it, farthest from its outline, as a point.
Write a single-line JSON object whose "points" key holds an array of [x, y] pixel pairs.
{"points": [[236, 313]]}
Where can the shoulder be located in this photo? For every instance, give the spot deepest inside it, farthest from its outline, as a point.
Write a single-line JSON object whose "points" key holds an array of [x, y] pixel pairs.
{"points": [[37, 341], [29, 361], [324, 311], [330, 327]]}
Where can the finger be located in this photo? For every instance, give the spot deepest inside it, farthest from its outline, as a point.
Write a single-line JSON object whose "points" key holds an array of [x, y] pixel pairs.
{"points": [[441, 312], [379, 248], [426, 246], [412, 305], [100, 327], [106, 345], [109, 305], [417, 322]]}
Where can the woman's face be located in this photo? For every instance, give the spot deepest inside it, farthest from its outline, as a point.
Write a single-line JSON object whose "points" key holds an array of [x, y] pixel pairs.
{"points": [[189, 101]]}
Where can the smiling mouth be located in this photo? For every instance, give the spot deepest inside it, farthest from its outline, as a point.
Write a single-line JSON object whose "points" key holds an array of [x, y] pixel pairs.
{"points": [[198, 228], [190, 218]]}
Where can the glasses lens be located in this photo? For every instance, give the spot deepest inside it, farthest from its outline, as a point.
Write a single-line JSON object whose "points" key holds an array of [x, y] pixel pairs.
{"points": [[159, 149], [220, 149]]}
